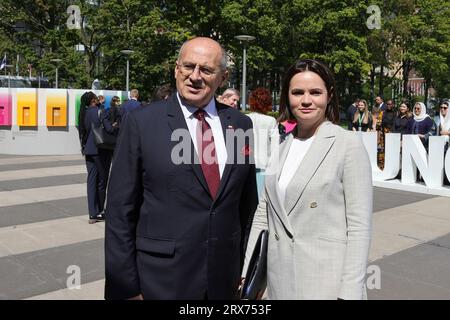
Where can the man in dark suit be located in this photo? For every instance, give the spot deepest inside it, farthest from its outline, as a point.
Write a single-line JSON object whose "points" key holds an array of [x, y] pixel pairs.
{"points": [[178, 230], [380, 103], [131, 104]]}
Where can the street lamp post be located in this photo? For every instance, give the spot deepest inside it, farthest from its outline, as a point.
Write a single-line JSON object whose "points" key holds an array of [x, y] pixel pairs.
{"points": [[127, 53], [244, 39], [56, 61]]}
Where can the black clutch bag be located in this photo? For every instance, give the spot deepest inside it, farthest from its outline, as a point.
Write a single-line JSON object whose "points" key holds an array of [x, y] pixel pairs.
{"points": [[256, 277]]}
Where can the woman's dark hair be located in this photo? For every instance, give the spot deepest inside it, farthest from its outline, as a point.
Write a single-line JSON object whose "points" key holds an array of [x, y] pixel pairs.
{"points": [[260, 100], [332, 111], [113, 100]]}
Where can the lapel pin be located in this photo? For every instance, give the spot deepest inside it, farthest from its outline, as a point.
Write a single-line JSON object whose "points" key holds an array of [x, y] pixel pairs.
{"points": [[246, 150]]}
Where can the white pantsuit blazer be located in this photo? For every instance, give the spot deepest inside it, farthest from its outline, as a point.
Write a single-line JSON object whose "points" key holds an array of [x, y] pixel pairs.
{"points": [[319, 238]]}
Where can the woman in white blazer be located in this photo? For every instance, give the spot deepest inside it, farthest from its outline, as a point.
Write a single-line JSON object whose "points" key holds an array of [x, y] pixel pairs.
{"points": [[265, 131], [318, 204]]}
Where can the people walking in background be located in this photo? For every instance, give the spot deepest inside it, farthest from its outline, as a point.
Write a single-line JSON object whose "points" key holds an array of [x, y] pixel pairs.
{"points": [[110, 121], [101, 101], [97, 163], [265, 131], [130, 104], [230, 97], [114, 112], [318, 206]]}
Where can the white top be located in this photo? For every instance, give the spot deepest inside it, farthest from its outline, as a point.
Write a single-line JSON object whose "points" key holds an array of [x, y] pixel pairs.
{"points": [[265, 132], [214, 122], [296, 153]]}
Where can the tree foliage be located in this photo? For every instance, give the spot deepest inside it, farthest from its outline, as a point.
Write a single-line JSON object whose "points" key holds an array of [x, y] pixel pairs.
{"points": [[413, 34]]}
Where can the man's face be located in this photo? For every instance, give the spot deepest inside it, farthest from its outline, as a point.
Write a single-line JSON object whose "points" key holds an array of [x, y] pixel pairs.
{"points": [[378, 100], [231, 101], [390, 105], [198, 72]]}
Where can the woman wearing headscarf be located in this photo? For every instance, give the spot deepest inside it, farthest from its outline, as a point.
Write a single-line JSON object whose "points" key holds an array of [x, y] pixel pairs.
{"points": [[443, 122], [423, 125]]}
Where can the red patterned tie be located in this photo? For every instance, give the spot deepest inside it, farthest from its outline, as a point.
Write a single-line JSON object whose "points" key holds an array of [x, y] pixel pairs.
{"points": [[207, 153]]}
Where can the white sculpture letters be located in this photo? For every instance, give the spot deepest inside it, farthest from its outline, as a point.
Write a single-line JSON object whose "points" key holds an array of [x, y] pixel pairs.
{"points": [[431, 166]]}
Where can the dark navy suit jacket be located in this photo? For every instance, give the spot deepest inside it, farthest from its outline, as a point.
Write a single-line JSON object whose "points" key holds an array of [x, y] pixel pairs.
{"points": [[165, 236], [128, 106], [90, 118]]}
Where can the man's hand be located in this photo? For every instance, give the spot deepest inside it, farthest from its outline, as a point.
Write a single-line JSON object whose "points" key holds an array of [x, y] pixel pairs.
{"points": [[139, 297], [445, 133]]}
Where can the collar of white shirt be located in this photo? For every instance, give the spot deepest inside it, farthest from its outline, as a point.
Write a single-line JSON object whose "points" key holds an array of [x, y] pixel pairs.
{"points": [[188, 111]]}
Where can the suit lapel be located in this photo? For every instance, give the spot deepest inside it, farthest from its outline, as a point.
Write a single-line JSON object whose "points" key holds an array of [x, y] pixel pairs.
{"points": [[313, 159], [227, 123], [176, 121], [272, 187]]}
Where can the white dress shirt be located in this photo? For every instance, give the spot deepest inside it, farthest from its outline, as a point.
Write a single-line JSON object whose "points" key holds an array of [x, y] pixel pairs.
{"points": [[297, 151], [213, 120]]}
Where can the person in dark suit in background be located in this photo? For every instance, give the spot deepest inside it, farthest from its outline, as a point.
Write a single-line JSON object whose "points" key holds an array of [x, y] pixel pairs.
{"points": [[131, 104], [380, 103], [351, 113], [113, 113], [97, 163], [178, 230], [101, 101], [388, 119]]}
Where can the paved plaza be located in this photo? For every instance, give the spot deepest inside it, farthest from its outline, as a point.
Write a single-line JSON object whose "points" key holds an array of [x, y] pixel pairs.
{"points": [[44, 230]]}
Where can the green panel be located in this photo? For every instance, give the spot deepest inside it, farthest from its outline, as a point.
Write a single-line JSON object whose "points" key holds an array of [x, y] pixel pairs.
{"points": [[77, 106]]}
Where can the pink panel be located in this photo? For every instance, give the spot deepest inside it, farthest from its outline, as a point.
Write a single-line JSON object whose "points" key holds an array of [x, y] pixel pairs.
{"points": [[5, 109]]}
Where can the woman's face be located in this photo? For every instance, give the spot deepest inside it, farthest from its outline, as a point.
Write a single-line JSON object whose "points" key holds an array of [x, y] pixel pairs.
{"points": [[417, 109], [94, 102], [308, 97], [361, 106], [403, 108], [444, 109]]}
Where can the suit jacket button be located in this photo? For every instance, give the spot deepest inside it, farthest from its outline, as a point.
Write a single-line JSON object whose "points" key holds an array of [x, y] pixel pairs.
{"points": [[277, 237], [313, 204]]}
